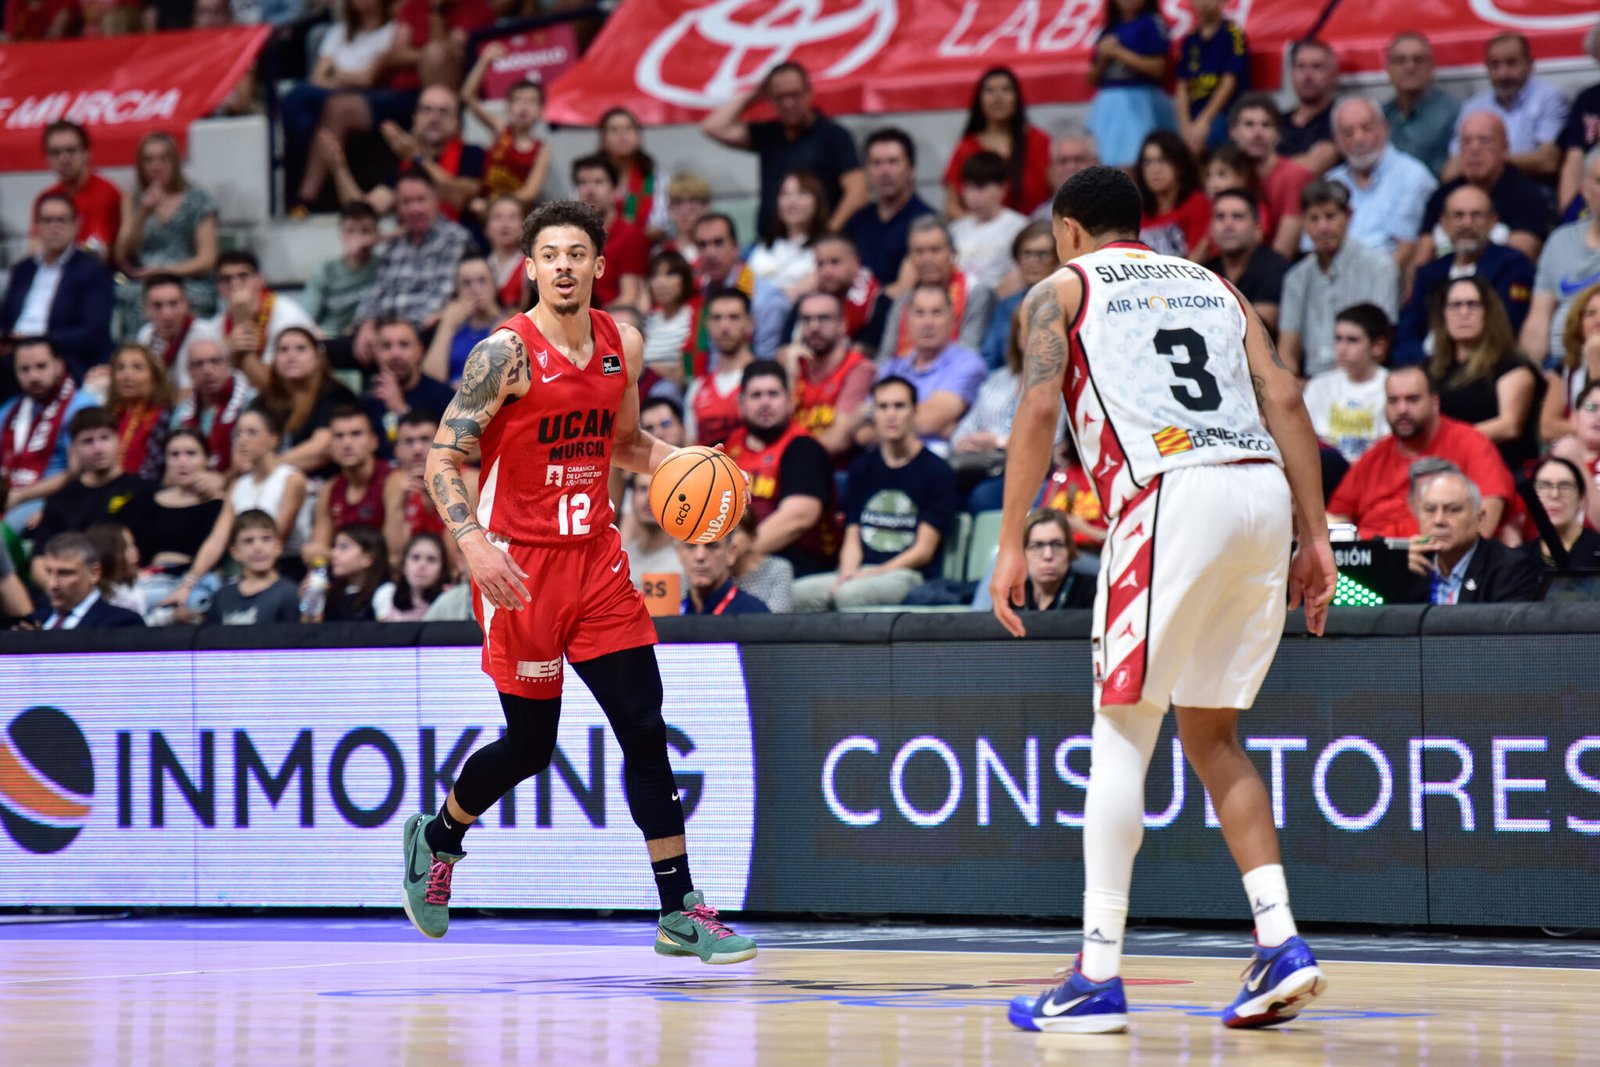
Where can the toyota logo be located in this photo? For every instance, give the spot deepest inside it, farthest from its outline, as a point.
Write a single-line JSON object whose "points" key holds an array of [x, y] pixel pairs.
{"points": [[751, 46]]}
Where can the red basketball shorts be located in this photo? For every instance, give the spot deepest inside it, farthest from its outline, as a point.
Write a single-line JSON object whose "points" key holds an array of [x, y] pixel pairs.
{"points": [[584, 606]]}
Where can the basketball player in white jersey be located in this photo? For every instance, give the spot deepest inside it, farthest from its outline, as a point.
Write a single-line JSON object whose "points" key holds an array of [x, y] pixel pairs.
{"points": [[1205, 462]]}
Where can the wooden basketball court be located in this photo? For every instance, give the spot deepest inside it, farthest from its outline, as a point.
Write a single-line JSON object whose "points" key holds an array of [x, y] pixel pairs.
{"points": [[573, 993]]}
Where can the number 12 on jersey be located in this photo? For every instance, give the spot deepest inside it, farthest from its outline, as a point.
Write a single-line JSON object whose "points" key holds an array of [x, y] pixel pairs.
{"points": [[572, 514]]}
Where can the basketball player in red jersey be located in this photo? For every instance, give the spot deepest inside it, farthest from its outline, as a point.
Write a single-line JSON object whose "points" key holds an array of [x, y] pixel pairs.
{"points": [[551, 399]]}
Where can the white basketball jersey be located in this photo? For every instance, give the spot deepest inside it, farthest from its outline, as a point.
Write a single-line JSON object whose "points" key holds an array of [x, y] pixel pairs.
{"points": [[1156, 375]]}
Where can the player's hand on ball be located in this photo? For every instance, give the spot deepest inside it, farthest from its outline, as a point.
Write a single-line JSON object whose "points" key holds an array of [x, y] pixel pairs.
{"points": [[718, 448], [497, 574]]}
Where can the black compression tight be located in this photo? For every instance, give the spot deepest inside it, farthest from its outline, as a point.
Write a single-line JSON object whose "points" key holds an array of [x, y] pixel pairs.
{"points": [[627, 686], [517, 755]]}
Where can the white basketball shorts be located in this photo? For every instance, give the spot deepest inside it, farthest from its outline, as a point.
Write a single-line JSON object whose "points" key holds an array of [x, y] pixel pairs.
{"points": [[1194, 588]]}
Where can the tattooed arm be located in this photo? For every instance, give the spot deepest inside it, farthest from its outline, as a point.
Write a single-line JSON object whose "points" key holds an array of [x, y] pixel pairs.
{"points": [[1049, 307], [496, 372], [632, 448]]}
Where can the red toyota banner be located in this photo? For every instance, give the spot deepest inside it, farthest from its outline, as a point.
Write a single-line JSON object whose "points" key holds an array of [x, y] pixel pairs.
{"points": [[672, 60], [118, 88]]}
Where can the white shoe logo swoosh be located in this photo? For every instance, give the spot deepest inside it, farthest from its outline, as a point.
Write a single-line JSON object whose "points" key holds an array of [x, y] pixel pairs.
{"points": [[547, 379], [1050, 1007], [1255, 983]]}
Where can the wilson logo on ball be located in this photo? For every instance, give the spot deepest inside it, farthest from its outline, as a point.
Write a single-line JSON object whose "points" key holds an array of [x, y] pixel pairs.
{"points": [[46, 780], [714, 527]]}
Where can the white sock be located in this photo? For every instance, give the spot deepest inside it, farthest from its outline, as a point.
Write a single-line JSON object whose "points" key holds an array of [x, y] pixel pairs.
{"points": [[1104, 917], [1268, 894], [1113, 827]]}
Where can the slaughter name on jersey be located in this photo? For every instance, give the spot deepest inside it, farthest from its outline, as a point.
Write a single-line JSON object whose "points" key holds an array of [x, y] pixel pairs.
{"points": [[1156, 375]]}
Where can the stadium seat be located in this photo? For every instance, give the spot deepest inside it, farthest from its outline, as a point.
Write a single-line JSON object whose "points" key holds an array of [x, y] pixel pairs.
{"points": [[955, 548], [984, 545]]}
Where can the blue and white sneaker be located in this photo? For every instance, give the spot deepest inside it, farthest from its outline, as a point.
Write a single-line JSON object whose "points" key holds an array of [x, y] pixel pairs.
{"points": [[1076, 1006], [1278, 982]]}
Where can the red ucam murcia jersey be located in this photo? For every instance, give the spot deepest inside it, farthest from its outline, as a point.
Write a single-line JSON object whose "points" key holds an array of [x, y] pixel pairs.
{"points": [[1156, 375], [546, 455]]}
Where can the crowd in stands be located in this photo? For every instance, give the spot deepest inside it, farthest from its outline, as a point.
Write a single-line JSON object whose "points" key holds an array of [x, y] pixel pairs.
{"points": [[179, 443]]}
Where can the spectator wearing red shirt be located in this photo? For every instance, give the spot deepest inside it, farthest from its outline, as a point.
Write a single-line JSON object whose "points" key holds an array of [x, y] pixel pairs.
{"points": [[1256, 126], [832, 378], [408, 511], [791, 477], [430, 44], [998, 122], [99, 203], [711, 405], [517, 161], [354, 496], [627, 250], [1376, 493], [1177, 215]]}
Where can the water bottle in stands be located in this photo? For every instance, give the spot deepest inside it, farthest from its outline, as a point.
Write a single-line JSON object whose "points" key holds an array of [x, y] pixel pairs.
{"points": [[315, 600]]}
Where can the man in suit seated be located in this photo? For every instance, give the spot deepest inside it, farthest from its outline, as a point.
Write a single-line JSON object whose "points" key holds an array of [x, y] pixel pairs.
{"points": [[72, 582], [1453, 563], [63, 293]]}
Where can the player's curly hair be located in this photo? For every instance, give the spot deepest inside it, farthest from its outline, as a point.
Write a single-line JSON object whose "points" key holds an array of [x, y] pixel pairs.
{"points": [[564, 213], [1100, 199]]}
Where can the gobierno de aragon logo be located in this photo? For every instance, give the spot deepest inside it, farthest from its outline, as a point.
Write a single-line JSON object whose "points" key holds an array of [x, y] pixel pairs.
{"points": [[46, 780]]}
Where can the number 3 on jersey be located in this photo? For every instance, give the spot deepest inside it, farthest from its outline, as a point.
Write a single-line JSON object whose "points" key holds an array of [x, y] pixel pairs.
{"points": [[572, 514], [1204, 394]]}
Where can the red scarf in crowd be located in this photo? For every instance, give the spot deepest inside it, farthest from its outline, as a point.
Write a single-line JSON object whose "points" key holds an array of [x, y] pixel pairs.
{"points": [[263, 316], [169, 352], [859, 300], [449, 160], [28, 438], [958, 309], [696, 359], [638, 197], [134, 427], [230, 405]]}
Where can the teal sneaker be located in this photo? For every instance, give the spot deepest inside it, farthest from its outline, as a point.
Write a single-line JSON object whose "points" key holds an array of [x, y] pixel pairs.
{"points": [[696, 931], [427, 880]]}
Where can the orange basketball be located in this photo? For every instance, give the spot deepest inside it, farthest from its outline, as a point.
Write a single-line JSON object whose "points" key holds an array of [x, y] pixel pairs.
{"points": [[698, 495]]}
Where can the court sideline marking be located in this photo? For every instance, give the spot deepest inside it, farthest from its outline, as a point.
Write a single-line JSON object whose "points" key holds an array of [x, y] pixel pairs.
{"points": [[287, 966], [612, 949]]}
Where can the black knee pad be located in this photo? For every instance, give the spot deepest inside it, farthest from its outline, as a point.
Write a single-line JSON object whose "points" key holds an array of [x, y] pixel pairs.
{"points": [[627, 686], [517, 755]]}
